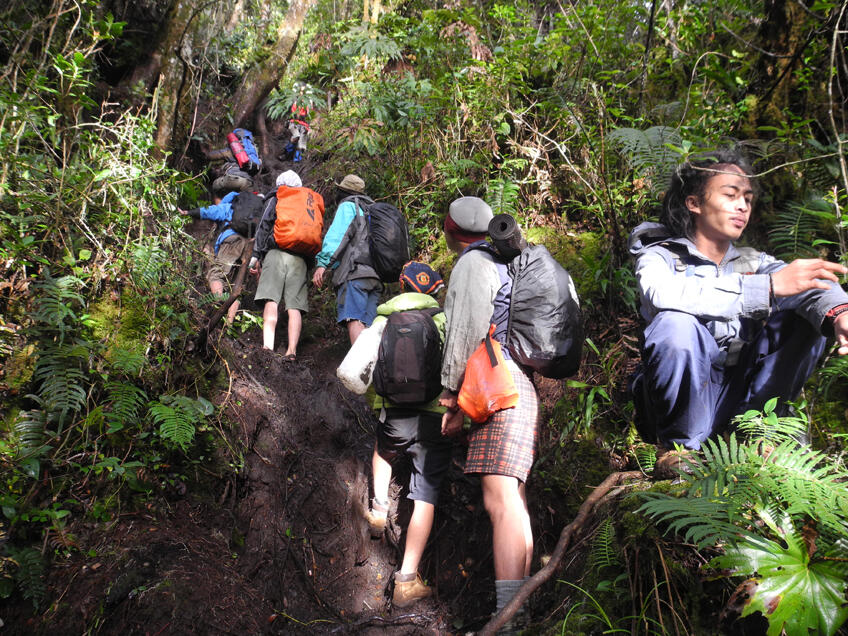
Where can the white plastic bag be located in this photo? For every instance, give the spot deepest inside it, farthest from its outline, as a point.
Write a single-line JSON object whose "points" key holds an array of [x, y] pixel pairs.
{"points": [[357, 368]]}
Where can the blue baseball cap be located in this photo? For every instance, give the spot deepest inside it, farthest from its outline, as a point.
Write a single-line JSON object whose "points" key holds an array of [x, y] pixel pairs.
{"points": [[421, 278]]}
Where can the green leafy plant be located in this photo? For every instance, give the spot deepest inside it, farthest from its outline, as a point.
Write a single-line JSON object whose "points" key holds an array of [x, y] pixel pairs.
{"points": [[756, 497]]}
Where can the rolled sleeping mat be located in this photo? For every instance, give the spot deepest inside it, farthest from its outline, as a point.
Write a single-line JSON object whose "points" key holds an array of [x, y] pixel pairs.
{"points": [[506, 236]]}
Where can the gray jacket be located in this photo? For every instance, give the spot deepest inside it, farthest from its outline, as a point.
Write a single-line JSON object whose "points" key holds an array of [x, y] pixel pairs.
{"points": [[673, 275]]}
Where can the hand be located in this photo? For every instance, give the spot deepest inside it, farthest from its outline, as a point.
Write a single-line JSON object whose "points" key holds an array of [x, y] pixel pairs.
{"points": [[255, 266], [804, 274], [452, 423], [840, 330], [318, 276], [448, 400], [181, 211]]}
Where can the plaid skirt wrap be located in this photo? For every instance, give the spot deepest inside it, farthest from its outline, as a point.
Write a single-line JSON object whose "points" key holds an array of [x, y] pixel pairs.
{"points": [[506, 443]]}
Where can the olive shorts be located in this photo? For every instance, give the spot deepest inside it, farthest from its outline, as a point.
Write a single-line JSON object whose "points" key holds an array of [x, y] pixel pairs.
{"points": [[229, 252], [283, 277]]}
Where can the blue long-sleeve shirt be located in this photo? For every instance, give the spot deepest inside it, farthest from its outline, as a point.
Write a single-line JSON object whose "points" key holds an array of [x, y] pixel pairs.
{"points": [[222, 214], [345, 214]]}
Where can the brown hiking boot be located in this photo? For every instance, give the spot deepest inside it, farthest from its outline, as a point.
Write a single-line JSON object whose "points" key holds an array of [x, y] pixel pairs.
{"points": [[671, 463], [408, 592], [376, 522]]}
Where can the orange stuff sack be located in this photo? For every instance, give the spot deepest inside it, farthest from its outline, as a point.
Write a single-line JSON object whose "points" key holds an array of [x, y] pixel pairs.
{"points": [[488, 386], [300, 220]]}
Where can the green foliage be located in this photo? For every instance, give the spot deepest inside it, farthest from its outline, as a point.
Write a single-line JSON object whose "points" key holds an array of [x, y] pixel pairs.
{"points": [[795, 591], [755, 496], [29, 575], [305, 95], [653, 152], [797, 230], [178, 416]]}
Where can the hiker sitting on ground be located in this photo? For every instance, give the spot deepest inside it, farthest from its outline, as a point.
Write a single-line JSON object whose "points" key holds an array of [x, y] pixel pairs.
{"points": [[356, 282], [283, 274], [502, 449], [728, 327], [413, 429], [229, 245]]}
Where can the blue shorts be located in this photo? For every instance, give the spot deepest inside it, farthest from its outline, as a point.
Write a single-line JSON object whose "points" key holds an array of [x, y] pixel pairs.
{"points": [[357, 300]]}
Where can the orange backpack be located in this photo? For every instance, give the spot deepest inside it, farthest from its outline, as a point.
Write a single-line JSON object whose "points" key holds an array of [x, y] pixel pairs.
{"points": [[300, 220]]}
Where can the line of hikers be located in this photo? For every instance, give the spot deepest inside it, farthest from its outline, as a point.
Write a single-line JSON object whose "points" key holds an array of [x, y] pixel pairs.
{"points": [[728, 328]]}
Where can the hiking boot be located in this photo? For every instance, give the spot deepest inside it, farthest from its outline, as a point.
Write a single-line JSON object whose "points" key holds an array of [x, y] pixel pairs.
{"points": [[408, 592], [297, 156], [671, 463], [376, 522]]}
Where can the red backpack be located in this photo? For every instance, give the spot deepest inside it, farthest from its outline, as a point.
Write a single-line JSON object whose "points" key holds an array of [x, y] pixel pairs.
{"points": [[300, 220]]}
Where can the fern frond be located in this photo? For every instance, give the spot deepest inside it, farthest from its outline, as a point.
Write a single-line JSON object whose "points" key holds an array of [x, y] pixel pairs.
{"points": [[603, 552], [646, 457], [148, 262], [30, 575], [126, 361], [31, 433], [649, 152], [61, 378], [503, 196], [701, 521], [127, 401], [794, 229]]}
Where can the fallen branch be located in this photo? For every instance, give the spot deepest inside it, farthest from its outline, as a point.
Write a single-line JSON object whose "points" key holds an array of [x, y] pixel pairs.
{"points": [[532, 584]]}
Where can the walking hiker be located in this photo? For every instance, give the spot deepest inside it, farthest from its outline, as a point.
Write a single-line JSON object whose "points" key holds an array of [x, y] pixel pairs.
{"points": [[289, 233], [728, 327], [240, 149], [299, 130], [345, 250], [229, 244], [502, 449], [406, 378]]}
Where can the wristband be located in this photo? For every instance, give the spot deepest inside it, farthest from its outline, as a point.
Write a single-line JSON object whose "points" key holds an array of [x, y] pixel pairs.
{"points": [[839, 309]]}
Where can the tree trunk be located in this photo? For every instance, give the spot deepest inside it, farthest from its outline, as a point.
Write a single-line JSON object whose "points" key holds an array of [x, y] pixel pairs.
{"points": [[260, 80], [175, 80]]}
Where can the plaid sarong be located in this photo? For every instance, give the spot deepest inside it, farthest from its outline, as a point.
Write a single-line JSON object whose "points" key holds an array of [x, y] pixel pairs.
{"points": [[506, 443]]}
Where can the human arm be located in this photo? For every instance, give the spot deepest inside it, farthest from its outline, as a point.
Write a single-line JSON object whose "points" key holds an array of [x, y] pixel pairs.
{"points": [[345, 213], [264, 232], [698, 289], [474, 283], [220, 212]]}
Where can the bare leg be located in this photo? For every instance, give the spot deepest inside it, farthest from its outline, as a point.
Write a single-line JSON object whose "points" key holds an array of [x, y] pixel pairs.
{"points": [[232, 311], [217, 288], [510, 522], [295, 325], [269, 324], [354, 328], [420, 525], [381, 470]]}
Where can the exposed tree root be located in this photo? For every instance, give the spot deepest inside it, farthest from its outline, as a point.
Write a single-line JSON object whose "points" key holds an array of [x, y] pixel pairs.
{"points": [[565, 536]]}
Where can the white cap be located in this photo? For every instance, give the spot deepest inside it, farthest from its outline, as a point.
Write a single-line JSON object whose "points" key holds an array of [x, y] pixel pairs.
{"points": [[289, 178]]}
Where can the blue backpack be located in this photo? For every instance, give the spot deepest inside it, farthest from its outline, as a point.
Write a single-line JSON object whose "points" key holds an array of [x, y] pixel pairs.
{"points": [[246, 138]]}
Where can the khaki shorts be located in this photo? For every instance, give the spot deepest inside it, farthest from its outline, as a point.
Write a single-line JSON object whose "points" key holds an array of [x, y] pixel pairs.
{"points": [[229, 252], [283, 276]]}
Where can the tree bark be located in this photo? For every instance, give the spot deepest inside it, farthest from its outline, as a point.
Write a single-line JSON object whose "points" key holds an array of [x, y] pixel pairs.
{"points": [[261, 80]]}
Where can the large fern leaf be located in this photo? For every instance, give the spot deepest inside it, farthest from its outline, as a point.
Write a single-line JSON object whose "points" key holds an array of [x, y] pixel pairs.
{"points": [[126, 403], [649, 152], [795, 229], [61, 380], [29, 575]]}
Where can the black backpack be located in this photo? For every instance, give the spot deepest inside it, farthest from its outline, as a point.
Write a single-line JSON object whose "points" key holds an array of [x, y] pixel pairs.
{"points": [[409, 359], [545, 331], [388, 238], [247, 213]]}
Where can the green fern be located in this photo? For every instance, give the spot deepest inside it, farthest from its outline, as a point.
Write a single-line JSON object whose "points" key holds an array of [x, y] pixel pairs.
{"points": [[31, 432], [126, 361], [148, 263], [734, 478], [29, 575], [53, 309], [768, 427], [646, 457], [61, 379], [649, 152], [177, 417], [127, 401], [503, 196], [796, 230], [603, 553]]}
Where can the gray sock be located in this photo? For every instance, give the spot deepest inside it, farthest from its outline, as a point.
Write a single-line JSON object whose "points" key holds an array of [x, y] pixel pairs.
{"points": [[504, 591]]}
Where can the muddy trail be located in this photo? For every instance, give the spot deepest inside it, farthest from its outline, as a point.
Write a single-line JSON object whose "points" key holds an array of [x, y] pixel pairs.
{"points": [[281, 546]]}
